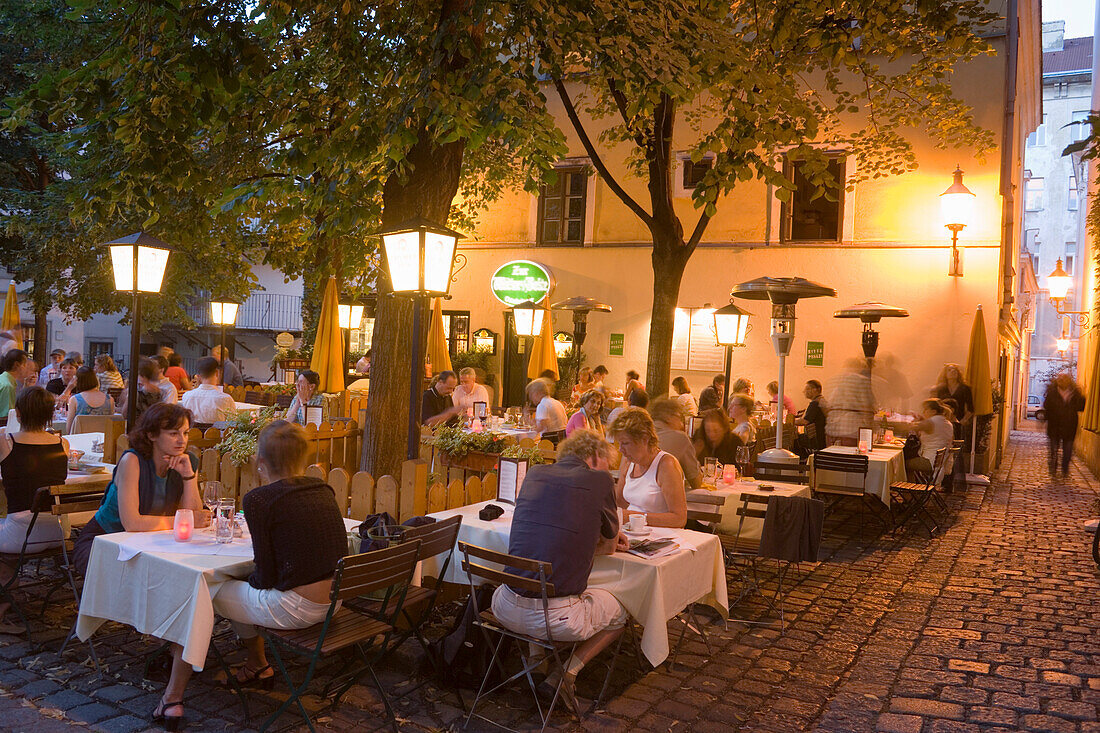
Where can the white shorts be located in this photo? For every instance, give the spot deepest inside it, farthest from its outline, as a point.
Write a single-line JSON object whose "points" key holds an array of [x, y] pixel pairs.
{"points": [[47, 533], [247, 607], [572, 618]]}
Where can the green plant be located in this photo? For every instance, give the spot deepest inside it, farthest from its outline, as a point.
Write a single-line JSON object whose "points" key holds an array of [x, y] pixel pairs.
{"points": [[477, 357], [532, 454], [281, 354], [279, 389], [456, 442], [240, 436]]}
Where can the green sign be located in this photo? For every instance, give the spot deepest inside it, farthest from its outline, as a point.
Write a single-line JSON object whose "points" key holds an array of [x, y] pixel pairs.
{"points": [[615, 347], [521, 280], [815, 353]]}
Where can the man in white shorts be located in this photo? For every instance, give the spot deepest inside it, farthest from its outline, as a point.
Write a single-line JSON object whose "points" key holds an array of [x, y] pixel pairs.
{"points": [[565, 515]]}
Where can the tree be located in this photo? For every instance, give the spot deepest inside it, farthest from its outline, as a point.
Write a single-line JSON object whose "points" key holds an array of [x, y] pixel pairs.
{"points": [[750, 83]]}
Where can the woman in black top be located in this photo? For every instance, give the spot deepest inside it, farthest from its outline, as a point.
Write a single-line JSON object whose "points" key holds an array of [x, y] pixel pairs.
{"points": [[64, 384], [30, 459], [716, 438], [951, 386]]}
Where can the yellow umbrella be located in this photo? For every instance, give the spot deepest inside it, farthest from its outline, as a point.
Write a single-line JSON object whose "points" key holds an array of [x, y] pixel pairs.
{"points": [[1092, 397], [11, 310], [438, 354], [328, 346], [543, 354], [977, 376]]}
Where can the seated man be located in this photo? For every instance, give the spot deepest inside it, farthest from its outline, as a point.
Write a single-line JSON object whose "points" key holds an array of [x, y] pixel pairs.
{"points": [[711, 396], [813, 439], [148, 390], [668, 417], [436, 406], [565, 515], [207, 401]]}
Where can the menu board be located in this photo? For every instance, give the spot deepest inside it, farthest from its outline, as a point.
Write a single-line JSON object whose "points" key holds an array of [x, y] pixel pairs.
{"points": [[694, 347]]}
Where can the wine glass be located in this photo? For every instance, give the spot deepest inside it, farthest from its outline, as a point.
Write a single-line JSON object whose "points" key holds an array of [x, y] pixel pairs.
{"points": [[744, 457], [211, 492]]}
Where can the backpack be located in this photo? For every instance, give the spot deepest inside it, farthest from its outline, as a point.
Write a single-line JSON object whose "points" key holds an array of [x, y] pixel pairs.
{"points": [[462, 656]]}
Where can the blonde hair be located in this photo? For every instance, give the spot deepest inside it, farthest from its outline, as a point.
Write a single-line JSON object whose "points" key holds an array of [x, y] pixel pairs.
{"points": [[584, 444], [467, 372], [282, 446], [746, 403], [635, 423]]}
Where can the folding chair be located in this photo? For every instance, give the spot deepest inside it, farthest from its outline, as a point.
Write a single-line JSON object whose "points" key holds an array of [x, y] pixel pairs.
{"points": [[388, 572], [553, 653], [913, 496], [791, 473], [855, 465], [738, 547]]}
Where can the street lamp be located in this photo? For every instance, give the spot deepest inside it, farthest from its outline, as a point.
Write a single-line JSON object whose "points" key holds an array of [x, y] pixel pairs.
{"points": [[420, 259], [731, 326], [957, 207], [223, 313], [581, 306], [528, 318], [1058, 284], [784, 293], [138, 262]]}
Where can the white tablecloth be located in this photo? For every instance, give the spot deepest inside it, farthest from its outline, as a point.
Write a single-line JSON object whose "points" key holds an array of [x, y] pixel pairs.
{"points": [[517, 433], [157, 590], [733, 492], [885, 466], [652, 591], [248, 407]]}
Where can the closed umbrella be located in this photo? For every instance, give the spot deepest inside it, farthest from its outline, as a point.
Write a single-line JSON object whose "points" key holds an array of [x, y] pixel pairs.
{"points": [[438, 354], [543, 354], [328, 346], [1091, 419], [977, 376], [11, 310]]}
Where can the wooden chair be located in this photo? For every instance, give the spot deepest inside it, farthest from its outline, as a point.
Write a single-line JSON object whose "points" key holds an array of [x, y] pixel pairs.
{"points": [[790, 473], [387, 572], [913, 496], [851, 465]]}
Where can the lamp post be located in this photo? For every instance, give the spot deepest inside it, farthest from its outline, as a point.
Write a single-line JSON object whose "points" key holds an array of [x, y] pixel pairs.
{"points": [[731, 326], [1058, 284], [138, 262], [581, 307], [957, 207], [420, 258], [223, 313], [784, 293], [527, 317]]}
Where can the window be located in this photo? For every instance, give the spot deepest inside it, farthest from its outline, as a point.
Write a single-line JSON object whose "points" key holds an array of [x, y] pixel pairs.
{"points": [[1078, 129], [1035, 263], [95, 348], [561, 208], [693, 172], [1031, 240], [362, 337], [456, 327], [1071, 255], [1071, 197], [1061, 89], [1038, 138], [1033, 194], [813, 214]]}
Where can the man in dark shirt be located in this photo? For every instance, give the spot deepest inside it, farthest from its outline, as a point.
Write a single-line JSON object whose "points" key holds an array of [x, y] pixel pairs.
{"points": [[436, 406], [711, 396], [813, 418], [565, 514]]}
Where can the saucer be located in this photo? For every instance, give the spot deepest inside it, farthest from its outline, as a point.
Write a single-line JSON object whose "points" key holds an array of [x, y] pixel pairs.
{"points": [[643, 533]]}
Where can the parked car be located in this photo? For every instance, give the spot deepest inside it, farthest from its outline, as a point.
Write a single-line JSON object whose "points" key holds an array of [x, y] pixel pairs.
{"points": [[1035, 407]]}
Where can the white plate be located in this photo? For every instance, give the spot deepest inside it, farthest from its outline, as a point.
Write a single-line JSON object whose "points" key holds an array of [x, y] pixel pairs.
{"points": [[643, 533]]}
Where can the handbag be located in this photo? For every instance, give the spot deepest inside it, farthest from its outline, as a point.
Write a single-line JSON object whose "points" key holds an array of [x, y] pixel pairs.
{"points": [[912, 446]]}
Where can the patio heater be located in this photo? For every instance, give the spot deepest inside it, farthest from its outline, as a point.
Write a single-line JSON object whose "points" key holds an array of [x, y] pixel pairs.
{"points": [[138, 262], [870, 314], [784, 293], [223, 313], [581, 307], [420, 259]]}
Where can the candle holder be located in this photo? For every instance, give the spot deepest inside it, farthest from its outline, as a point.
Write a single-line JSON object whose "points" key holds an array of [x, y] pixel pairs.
{"points": [[184, 525]]}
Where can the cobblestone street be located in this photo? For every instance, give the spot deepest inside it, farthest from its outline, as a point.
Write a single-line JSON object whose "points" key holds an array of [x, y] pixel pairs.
{"points": [[991, 625]]}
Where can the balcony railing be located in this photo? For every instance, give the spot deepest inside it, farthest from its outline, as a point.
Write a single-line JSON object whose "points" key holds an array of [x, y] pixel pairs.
{"points": [[261, 312]]}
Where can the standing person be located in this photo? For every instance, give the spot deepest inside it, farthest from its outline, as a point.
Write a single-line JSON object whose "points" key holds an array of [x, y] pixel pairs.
{"points": [[788, 403], [207, 402], [148, 393], [62, 384], [52, 370], [468, 391], [684, 396], [550, 415], [711, 396], [633, 384], [305, 395], [437, 405], [813, 439], [1062, 402], [565, 516], [176, 374], [588, 416], [650, 480], [231, 375], [951, 385], [107, 373], [672, 438], [87, 398], [851, 404], [741, 411]]}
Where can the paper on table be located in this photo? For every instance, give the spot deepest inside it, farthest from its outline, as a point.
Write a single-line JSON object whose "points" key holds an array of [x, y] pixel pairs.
{"points": [[200, 544]]}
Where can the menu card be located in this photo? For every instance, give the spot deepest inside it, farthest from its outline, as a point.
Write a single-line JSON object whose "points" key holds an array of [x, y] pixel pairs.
{"points": [[510, 475]]}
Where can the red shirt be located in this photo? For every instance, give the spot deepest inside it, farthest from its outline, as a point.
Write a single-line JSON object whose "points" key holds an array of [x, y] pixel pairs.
{"points": [[174, 375]]}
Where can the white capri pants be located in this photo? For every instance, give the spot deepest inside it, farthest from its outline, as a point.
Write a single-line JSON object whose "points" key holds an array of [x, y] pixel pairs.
{"points": [[572, 618], [247, 607], [47, 533]]}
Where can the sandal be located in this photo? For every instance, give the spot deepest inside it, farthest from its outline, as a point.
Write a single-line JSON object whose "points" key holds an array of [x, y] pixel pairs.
{"points": [[170, 722], [251, 678]]}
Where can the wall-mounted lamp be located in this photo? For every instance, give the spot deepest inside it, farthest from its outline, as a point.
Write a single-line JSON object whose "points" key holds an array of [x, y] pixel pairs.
{"points": [[957, 207], [1058, 285]]}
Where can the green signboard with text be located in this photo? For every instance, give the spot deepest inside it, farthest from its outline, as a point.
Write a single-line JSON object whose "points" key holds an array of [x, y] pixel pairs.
{"points": [[815, 353], [521, 280], [615, 346]]}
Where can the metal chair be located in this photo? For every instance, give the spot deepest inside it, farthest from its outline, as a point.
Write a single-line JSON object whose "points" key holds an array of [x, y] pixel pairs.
{"points": [[388, 571], [738, 547], [791, 473], [913, 496], [855, 465]]}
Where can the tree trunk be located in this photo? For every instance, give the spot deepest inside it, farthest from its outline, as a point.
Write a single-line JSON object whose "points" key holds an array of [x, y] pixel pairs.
{"points": [[669, 260], [41, 336]]}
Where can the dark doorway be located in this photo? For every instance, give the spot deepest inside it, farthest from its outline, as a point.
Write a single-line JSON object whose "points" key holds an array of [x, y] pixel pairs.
{"points": [[514, 379]]}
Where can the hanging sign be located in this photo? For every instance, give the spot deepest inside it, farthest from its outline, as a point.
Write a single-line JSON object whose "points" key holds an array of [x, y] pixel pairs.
{"points": [[284, 340], [563, 341], [521, 280]]}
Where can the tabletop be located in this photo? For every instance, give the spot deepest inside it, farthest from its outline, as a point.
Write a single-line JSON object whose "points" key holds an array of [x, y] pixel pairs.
{"points": [[249, 407], [653, 591], [732, 493]]}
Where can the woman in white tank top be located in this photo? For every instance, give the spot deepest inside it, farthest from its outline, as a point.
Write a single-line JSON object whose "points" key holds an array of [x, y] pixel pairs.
{"points": [[651, 481]]}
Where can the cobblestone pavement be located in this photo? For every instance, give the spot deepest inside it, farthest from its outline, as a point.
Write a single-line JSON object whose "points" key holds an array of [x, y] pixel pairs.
{"points": [[991, 625]]}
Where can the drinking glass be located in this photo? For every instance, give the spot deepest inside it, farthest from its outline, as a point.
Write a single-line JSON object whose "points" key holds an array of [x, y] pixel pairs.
{"points": [[223, 528], [211, 492], [744, 457], [710, 467]]}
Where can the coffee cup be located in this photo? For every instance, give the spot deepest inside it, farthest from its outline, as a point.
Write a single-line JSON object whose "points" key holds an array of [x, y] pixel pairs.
{"points": [[637, 522]]}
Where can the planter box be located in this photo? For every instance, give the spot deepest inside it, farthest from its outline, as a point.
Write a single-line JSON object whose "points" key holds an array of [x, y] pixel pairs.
{"points": [[472, 461], [295, 364]]}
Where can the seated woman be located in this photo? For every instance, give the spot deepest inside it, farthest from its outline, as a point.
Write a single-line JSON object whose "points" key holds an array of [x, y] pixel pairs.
{"points": [[588, 416], [684, 396], [716, 439], [633, 384], [87, 398], [651, 481], [741, 410], [29, 459], [306, 395], [935, 433], [107, 373], [64, 384], [550, 416], [585, 382]]}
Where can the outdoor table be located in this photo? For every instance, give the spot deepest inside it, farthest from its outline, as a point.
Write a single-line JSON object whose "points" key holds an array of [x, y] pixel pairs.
{"points": [[885, 466], [249, 407], [653, 591], [161, 587], [514, 432], [733, 492]]}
